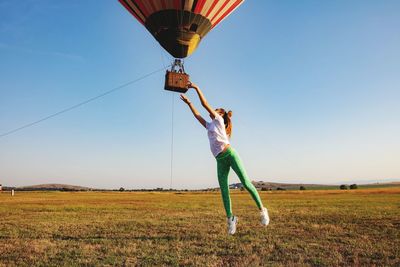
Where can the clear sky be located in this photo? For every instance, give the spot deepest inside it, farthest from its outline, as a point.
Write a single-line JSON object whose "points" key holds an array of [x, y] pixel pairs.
{"points": [[314, 87]]}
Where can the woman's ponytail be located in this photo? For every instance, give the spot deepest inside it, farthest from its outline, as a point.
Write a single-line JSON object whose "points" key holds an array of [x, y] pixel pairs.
{"points": [[228, 123]]}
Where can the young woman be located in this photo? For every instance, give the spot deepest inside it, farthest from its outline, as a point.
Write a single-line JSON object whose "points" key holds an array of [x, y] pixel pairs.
{"points": [[218, 130]]}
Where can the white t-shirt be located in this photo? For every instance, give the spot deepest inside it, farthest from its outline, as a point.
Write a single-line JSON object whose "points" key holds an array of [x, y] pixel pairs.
{"points": [[217, 135]]}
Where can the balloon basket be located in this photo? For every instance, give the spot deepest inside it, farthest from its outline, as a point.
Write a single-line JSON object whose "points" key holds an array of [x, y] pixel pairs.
{"points": [[176, 80]]}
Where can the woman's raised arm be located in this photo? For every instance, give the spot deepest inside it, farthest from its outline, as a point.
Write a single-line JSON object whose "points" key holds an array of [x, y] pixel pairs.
{"points": [[203, 100], [196, 114]]}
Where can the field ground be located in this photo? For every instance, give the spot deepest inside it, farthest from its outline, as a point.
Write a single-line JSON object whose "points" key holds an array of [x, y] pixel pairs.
{"points": [[358, 227]]}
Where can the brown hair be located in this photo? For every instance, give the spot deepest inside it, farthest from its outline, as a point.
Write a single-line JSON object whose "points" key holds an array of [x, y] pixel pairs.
{"points": [[227, 120]]}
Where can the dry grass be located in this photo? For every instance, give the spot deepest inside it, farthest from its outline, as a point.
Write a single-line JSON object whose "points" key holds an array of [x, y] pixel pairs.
{"points": [[316, 228]]}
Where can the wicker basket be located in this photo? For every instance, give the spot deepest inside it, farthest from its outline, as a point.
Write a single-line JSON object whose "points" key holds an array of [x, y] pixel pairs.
{"points": [[176, 81]]}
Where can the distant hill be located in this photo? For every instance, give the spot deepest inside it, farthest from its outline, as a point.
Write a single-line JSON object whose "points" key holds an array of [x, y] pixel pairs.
{"points": [[59, 187], [261, 185], [286, 186]]}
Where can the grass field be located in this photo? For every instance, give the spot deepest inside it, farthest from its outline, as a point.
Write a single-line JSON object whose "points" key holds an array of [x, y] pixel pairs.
{"points": [[358, 227]]}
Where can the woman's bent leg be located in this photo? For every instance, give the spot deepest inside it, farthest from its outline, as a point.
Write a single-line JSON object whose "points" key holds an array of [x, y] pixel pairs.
{"points": [[239, 169], [223, 172]]}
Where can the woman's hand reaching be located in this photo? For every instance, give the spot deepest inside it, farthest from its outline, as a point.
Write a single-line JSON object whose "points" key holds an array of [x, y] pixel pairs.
{"points": [[203, 100], [185, 99], [192, 85]]}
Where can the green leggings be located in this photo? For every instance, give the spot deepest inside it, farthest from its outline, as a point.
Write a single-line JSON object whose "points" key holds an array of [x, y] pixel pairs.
{"points": [[230, 158]]}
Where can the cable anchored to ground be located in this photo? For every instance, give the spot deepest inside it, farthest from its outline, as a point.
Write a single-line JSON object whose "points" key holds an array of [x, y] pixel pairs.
{"points": [[82, 103]]}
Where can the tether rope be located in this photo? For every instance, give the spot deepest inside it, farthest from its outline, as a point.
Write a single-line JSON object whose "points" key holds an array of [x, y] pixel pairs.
{"points": [[172, 141], [82, 103]]}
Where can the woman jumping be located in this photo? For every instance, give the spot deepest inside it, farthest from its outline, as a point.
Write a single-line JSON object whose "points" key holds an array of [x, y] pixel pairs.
{"points": [[218, 130]]}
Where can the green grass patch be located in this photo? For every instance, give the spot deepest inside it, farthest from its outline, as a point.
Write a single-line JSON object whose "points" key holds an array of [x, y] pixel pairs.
{"points": [[314, 228]]}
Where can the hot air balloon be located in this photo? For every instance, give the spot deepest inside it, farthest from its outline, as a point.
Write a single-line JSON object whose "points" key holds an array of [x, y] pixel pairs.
{"points": [[179, 26]]}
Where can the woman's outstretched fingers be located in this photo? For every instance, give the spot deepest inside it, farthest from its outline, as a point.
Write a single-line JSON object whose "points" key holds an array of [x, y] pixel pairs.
{"points": [[185, 98]]}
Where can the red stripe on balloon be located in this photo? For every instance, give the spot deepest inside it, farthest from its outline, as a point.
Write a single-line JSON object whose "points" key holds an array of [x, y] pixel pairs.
{"points": [[131, 11], [220, 9], [227, 12], [199, 6], [153, 6], [164, 6], [177, 4], [211, 8], [142, 8]]}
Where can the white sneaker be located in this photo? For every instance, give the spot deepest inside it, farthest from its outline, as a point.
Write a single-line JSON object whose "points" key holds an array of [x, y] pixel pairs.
{"points": [[232, 221], [264, 216]]}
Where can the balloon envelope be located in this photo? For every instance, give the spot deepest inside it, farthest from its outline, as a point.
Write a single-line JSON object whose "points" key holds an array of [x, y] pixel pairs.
{"points": [[179, 25]]}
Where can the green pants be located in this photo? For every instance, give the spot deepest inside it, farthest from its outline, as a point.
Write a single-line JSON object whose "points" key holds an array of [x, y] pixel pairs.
{"points": [[230, 158]]}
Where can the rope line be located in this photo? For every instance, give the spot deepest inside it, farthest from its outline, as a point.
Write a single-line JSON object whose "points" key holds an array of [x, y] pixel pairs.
{"points": [[81, 103], [172, 140]]}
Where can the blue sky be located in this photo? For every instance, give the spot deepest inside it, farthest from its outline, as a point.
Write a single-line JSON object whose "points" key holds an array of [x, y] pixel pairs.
{"points": [[314, 87]]}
